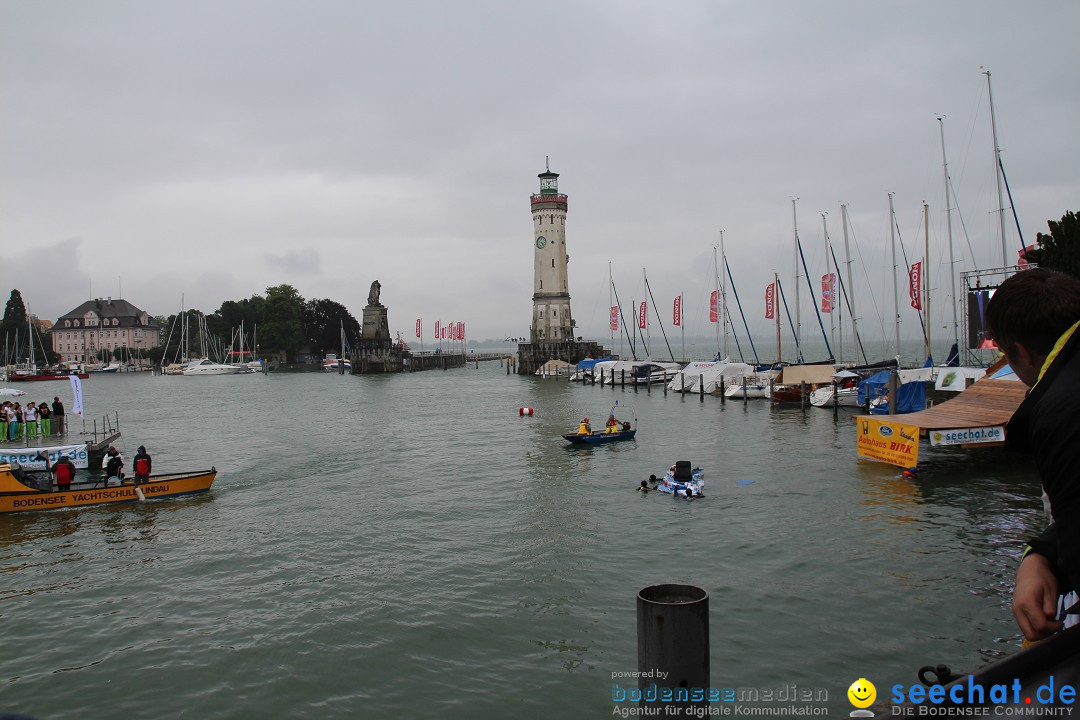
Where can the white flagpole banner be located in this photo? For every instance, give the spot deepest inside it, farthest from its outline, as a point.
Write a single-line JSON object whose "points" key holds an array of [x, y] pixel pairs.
{"points": [[76, 388]]}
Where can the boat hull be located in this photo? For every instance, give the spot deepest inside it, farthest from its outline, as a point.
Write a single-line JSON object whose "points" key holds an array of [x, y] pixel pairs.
{"points": [[46, 376], [160, 486], [597, 438]]}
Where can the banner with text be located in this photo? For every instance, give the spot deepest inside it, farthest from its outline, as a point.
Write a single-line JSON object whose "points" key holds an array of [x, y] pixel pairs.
{"points": [[915, 286], [614, 318], [770, 300], [828, 282], [34, 458], [643, 316], [714, 308], [678, 311], [968, 436], [888, 442]]}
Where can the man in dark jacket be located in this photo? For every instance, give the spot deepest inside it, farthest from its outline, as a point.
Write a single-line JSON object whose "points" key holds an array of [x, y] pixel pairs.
{"points": [[1034, 318], [114, 465], [58, 415], [143, 465]]}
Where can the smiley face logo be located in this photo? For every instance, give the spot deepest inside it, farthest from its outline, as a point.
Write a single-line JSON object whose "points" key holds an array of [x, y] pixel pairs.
{"points": [[862, 693]]}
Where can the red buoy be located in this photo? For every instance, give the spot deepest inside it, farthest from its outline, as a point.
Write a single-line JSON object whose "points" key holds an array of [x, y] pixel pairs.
{"points": [[525, 411]]}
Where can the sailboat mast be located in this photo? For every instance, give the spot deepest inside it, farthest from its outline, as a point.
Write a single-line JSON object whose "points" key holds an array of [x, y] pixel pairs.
{"points": [[925, 283], [716, 289], [648, 330], [850, 286], [798, 319], [776, 312], [948, 223], [997, 171], [832, 291], [611, 330], [895, 290], [721, 298]]}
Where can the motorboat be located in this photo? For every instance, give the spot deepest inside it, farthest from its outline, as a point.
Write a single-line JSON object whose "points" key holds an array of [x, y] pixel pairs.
{"points": [[206, 366], [683, 480], [22, 492]]}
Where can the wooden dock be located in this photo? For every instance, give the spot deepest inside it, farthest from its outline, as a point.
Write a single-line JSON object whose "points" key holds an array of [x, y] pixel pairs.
{"points": [[984, 404]]}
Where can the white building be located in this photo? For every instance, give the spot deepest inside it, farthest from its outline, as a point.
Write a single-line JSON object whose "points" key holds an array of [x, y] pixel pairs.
{"points": [[552, 321], [102, 325]]}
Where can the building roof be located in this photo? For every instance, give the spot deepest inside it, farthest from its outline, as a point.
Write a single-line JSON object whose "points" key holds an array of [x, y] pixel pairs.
{"points": [[120, 309]]}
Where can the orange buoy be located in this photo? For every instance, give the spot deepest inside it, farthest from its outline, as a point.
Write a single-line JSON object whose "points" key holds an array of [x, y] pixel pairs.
{"points": [[525, 411]]}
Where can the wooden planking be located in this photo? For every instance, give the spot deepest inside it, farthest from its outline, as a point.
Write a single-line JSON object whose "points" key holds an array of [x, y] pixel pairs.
{"points": [[986, 403]]}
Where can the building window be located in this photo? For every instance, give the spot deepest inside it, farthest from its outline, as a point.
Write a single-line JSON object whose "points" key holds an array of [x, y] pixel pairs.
{"points": [[554, 313]]}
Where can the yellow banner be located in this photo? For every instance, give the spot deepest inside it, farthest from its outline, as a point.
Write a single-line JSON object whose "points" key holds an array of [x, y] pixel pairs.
{"points": [[888, 442]]}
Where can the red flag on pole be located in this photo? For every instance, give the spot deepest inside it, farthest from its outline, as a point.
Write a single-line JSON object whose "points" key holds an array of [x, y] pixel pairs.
{"points": [[418, 327], [827, 281], [437, 329], [770, 300], [614, 324], [714, 307], [460, 331], [915, 285], [678, 311], [642, 316]]}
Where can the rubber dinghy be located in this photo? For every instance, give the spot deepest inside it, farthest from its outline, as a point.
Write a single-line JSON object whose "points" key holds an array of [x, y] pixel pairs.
{"points": [[681, 479]]}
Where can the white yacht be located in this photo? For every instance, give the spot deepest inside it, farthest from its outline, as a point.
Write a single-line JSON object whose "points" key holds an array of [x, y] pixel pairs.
{"points": [[206, 366]]}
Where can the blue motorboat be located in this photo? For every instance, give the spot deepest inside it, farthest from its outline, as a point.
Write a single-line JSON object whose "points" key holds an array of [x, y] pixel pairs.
{"points": [[599, 436]]}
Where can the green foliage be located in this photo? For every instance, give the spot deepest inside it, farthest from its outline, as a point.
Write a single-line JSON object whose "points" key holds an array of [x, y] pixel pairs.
{"points": [[1060, 250], [282, 325], [13, 326], [323, 321]]}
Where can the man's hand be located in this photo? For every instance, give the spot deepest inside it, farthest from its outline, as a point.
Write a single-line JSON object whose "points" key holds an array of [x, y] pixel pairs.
{"points": [[1035, 598]]}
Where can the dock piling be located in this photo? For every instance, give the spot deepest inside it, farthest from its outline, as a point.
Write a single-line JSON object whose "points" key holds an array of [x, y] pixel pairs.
{"points": [[673, 640]]}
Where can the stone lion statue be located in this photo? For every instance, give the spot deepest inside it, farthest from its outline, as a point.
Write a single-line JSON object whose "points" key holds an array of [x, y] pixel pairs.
{"points": [[373, 294]]}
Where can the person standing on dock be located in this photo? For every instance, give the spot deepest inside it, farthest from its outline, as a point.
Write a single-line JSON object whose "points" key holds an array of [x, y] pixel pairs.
{"points": [[1034, 318], [58, 413], [14, 418], [30, 420], [143, 465], [45, 416], [4, 420]]}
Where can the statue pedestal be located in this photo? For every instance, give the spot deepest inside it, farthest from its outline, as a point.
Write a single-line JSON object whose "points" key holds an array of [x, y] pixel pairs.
{"points": [[375, 326]]}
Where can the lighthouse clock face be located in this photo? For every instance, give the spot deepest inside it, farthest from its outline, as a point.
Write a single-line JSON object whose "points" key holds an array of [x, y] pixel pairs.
{"points": [[541, 242]]}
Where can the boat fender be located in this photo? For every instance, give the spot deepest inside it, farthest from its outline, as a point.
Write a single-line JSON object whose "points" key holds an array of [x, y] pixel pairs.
{"points": [[525, 411]]}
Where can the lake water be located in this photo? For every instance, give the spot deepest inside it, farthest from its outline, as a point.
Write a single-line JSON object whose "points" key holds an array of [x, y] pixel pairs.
{"points": [[410, 547]]}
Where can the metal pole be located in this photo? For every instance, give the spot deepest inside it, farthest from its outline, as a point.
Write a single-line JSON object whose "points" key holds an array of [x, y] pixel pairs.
{"points": [[673, 641]]}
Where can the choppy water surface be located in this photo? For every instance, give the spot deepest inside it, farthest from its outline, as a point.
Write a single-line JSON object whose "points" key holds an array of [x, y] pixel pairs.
{"points": [[409, 547]]}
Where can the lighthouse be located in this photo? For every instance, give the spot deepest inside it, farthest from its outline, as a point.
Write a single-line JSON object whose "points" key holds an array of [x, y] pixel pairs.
{"points": [[551, 320], [552, 331]]}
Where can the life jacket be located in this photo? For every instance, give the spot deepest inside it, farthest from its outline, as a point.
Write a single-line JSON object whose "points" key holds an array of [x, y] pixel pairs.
{"points": [[64, 472], [142, 466]]}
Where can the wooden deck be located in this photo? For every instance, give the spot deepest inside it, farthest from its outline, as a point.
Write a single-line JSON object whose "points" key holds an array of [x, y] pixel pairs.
{"points": [[984, 404]]}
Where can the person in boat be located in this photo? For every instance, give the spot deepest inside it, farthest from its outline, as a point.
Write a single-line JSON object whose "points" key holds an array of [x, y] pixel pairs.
{"points": [[143, 465], [64, 471], [612, 424], [584, 428], [58, 413], [1035, 318], [114, 466], [625, 426], [45, 416]]}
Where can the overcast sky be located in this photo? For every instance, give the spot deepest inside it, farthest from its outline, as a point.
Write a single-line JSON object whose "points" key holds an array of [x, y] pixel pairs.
{"points": [[209, 150]]}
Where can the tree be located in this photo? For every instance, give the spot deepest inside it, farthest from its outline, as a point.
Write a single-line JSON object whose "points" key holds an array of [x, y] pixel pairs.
{"points": [[282, 326], [14, 326], [1060, 250], [323, 321]]}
